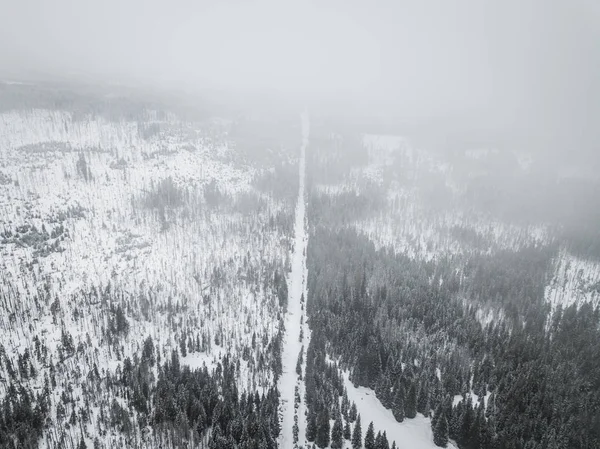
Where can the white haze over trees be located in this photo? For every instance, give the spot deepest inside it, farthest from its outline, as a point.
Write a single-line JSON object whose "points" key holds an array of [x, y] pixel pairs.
{"points": [[413, 262], [523, 71]]}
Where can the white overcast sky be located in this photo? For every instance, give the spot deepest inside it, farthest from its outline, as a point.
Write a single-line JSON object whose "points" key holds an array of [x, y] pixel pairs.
{"points": [[522, 58]]}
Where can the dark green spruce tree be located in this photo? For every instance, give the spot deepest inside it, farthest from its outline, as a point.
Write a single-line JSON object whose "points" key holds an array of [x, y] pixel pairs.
{"points": [[378, 441], [370, 437], [352, 412], [423, 400], [398, 406], [337, 434], [347, 431], [323, 429], [383, 442], [440, 430], [311, 426], [410, 407], [357, 435]]}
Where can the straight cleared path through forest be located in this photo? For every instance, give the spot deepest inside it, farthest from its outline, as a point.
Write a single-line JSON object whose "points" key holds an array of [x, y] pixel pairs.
{"points": [[296, 329]]}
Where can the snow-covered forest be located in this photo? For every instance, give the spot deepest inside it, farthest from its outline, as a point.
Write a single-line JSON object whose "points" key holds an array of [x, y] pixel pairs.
{"points": [[441, 314], [139, 248], [176, 278]]}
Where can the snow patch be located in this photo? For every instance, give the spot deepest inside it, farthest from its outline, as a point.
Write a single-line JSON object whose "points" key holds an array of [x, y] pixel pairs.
{"points": [[410, 434]]}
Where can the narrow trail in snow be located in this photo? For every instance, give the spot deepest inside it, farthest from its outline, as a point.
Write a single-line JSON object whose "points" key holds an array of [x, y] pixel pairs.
{"points": [[296, 336]]}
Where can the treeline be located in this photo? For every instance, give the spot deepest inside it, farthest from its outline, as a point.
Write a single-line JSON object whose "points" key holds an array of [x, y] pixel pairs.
{"points": [[23, 416], [82, 101], [409, 330], [181, 407], [571, 205], [172, 202], [327, 399], [195, 405], [65, 397], [328, 210]]}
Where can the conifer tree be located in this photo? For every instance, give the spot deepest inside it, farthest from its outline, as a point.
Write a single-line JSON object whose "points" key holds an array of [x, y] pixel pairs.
{"points": [[295, 429], [337, 434], [182, 346], [384, 443], [347, 431], [345, 405], [387, 398], [423, 400], [299, 362], [323, 429], [454, 424], [410, 407], [370, 437], [148, 351], [311, 426], [378, 441], [485, 437], [436, 415], [357, 435], [466, 423], [379, 388], [491, 406], [440, 430], [398, 406], [352, 412]]}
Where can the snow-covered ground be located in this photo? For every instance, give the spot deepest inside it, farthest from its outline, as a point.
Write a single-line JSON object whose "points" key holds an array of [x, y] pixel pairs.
{"points": [[408, 224], [295, 319], [410, 434], [575, 281], [185, 269], [413, 232], [408, 180]]}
